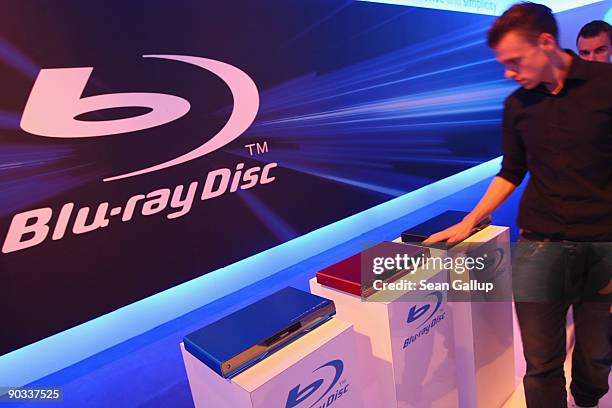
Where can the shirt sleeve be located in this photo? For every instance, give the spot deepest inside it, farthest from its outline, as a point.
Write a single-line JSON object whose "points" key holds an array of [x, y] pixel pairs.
{"points": [[514, 163]]}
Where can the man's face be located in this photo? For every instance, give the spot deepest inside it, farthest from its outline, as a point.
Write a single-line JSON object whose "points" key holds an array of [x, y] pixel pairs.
{"points": [[525, 61], [597, 48]]}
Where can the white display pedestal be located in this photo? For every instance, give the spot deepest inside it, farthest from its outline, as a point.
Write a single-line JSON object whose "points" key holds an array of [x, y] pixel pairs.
{"points": [[483, 327], [465, 359], [319, 369], [403, 363]]}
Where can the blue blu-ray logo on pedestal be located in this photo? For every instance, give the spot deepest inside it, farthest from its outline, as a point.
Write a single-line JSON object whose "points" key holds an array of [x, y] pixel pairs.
{"points": [[416, 313], [297, 395], [495, 261]]}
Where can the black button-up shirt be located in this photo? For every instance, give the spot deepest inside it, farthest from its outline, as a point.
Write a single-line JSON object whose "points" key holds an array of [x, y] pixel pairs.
{"points": [[565, 142]]}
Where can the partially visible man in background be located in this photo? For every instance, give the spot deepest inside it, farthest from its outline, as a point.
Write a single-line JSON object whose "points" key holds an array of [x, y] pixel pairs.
{"points": [[594, 41]]}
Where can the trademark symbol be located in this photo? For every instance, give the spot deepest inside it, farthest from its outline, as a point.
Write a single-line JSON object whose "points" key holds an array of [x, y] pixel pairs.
{"points": [[260, 148]]}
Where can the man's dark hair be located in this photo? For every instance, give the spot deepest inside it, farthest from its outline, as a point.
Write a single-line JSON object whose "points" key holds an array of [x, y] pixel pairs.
{"points": [[527, 18], [594, 28]]}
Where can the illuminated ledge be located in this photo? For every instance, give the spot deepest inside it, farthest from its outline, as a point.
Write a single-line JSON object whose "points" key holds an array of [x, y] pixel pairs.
{"points": [[64, 349]]}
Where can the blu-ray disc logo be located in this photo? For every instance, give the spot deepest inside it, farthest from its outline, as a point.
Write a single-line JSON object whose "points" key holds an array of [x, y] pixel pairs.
{"points": [[56, 100], [53, 109], [415, 313], [297, 395], [423, 329], [492, 264]]}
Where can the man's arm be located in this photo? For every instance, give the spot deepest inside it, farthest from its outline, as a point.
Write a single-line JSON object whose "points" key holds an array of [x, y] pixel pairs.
{"points": [[499, 190], [514, 168]]}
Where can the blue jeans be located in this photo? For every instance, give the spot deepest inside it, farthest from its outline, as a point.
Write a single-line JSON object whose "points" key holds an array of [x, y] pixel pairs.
{"points": [[549, 276]]}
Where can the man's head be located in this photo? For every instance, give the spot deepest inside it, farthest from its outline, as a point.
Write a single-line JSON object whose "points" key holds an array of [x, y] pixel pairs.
{"points": [[524, 38], [594, 41]]}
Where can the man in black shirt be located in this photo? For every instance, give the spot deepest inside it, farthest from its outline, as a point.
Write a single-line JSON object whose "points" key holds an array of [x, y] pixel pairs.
{"points": [[557, 126], [594, 43]]}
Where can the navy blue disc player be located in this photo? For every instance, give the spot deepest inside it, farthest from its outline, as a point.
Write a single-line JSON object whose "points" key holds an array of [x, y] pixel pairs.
{"points": [[235, 342], [421, 232]]}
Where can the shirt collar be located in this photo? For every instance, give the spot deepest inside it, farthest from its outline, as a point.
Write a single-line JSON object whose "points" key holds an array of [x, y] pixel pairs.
{"points": [[578, 69]]}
